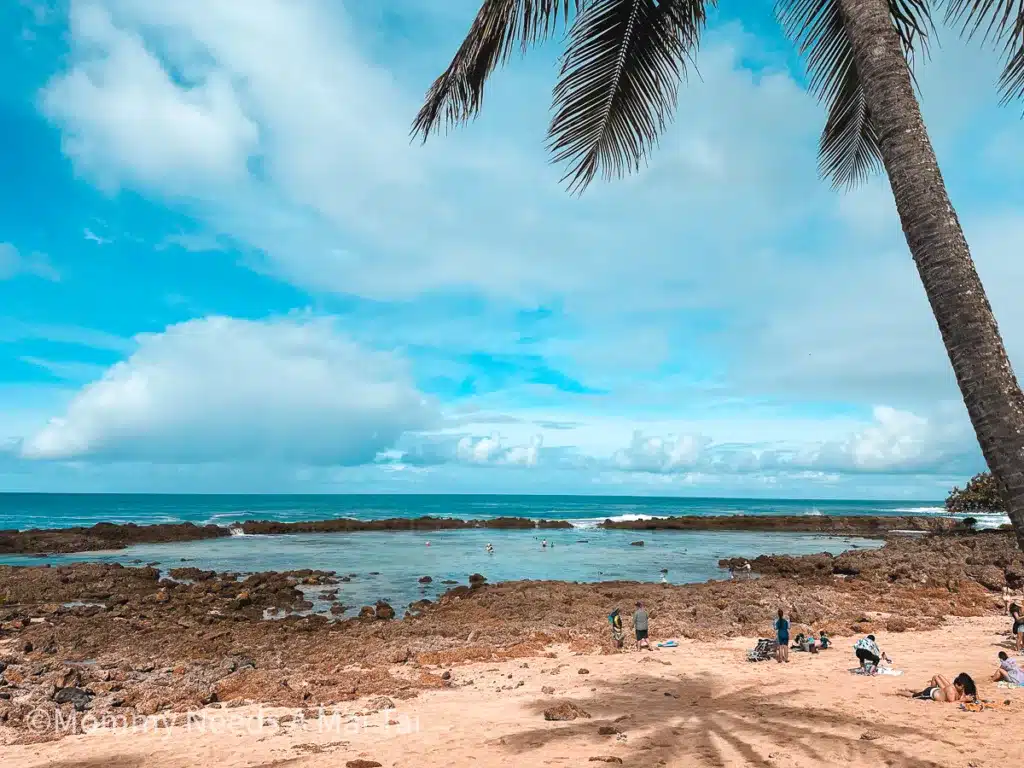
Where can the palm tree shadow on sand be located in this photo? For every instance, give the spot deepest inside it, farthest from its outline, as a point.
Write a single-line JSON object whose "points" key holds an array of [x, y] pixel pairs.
{"points": [[703, 727]]}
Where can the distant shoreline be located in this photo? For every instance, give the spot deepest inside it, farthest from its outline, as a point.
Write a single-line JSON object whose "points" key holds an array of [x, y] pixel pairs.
{"points": [[113, 536]]}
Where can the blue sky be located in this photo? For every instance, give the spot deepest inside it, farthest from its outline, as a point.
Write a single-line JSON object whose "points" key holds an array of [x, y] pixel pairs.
{"points": [[225, 268]]}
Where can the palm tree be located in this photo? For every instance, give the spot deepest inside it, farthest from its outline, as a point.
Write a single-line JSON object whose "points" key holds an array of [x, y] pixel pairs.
{"points": [[617, 90]]}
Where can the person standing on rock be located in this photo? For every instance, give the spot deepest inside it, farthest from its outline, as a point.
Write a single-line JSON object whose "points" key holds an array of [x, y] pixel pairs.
{"points": [[640, 626]]}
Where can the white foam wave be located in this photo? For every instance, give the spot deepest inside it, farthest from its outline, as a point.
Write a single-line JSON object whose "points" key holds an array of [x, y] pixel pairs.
{"points": [[920, 510], [593, 522], [237, 532]]}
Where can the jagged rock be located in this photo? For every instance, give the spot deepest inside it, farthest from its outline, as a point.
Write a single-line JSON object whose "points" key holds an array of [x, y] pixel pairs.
{"points": [[582, 671], [425, 579], [547, 689], [606, 759], [384, 611], [381, 702], [565, 711], [77, 697], [608, 730], [362, 764], [636, 543]]}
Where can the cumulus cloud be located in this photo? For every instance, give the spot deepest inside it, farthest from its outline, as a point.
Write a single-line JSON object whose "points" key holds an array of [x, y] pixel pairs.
{"points": [[14, 263], [294, 390], [489, 450], [125, 119], [895, 442]]}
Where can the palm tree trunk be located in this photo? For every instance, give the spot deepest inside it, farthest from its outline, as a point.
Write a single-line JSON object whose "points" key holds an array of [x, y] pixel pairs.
{"points": [[990, 390]]}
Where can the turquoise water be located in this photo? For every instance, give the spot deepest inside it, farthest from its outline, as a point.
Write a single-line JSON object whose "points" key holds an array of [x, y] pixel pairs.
{"points": [[583, 553], [25, 510], [401, 558]]}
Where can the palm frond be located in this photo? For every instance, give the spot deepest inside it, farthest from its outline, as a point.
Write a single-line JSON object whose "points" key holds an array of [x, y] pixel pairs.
{"points": [[848, 148], [455, 97], [619, 83], [1003, 21]]}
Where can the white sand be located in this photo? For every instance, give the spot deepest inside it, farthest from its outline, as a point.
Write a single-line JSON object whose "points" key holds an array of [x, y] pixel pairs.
{"points": [[720, 711]]}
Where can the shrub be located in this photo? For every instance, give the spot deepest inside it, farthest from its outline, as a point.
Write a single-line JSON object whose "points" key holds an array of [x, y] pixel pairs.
{"points": [[981, 494]]}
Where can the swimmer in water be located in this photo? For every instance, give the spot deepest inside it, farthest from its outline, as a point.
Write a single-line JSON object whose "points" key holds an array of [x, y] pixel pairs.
{"points": [[544, 544], [428, 543], [490, 549]]}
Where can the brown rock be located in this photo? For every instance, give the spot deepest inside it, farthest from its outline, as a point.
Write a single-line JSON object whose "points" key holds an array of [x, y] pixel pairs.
{"points": [[547, 689], [582, 671], [425, 579], [636, 544], [606, 759], [565, 711], [608, 730], [362, 764], [381, 702], [383, 611]]}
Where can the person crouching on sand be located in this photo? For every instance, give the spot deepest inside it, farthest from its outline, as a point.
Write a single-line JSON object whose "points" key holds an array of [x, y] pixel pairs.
{"points": [[782, 638], [640, 626], [869, 654]]}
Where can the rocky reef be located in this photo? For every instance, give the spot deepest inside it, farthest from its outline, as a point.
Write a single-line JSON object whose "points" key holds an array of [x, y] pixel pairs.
{"points": [[119, 641], [860, 525], [103, 536]]}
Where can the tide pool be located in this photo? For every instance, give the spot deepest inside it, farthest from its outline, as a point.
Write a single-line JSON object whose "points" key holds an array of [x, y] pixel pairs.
{"points": [[401, 558]]}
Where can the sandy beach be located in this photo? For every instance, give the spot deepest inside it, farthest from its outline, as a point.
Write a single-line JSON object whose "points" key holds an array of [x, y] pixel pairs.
{"points": [[700, 704]]}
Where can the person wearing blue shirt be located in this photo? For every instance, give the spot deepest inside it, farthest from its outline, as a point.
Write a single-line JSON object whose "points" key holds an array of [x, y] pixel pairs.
{"points": [[782, 638]]}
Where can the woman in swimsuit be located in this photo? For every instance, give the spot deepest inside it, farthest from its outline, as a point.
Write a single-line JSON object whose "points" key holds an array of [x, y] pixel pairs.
{"points": [[1018, 626], [962, 689]]}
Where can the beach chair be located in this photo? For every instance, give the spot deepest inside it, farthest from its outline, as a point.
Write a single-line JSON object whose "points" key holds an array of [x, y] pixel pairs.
{"points": [[763, 651]]}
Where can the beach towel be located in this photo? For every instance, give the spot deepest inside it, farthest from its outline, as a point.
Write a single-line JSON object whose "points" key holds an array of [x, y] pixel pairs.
{"points": [[880, 671], [668, 644], [981, 706], [1005, 684]]}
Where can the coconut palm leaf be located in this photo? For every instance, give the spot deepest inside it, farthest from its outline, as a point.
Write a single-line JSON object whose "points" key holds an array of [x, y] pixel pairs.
{"points": [[500, 25], [1003, 21], [619, 83], [848, 148]]}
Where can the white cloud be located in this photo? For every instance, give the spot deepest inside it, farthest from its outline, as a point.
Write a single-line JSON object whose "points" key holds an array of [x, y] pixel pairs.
{"points": [[294, 390], [724, 270], [13, 263], [125, 119], [661, 455]]}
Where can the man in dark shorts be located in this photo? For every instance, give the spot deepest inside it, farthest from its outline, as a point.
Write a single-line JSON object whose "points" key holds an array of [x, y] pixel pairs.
{"points": [[869, 654], [640, 620], [1018, 626]]}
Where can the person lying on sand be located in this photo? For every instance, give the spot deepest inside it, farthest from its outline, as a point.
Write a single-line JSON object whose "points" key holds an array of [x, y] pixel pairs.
{"points": [[962, 689], [868, 653], [1008, 671]]}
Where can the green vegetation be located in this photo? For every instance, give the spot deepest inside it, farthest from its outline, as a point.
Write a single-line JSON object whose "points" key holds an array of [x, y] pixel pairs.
{"points": [[981, 494]]}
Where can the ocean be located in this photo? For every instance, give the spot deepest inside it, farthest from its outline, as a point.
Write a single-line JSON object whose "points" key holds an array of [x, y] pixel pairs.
{"points": [[58, 510], [398, 559]]}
